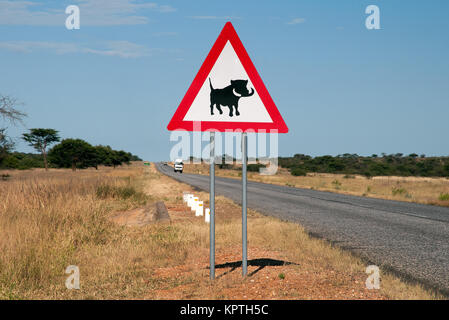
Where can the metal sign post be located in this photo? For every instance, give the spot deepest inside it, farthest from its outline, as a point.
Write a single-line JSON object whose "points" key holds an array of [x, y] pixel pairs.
{"points": [[244, 211], [212, 205]]}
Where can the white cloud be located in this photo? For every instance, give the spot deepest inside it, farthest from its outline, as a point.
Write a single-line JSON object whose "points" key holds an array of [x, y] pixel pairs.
{"points": [[165, 34], [117, 12], [121, 49], [28, 13], [166, 8], [214, 17], [30, 46], [93, 12], [296, 21]]}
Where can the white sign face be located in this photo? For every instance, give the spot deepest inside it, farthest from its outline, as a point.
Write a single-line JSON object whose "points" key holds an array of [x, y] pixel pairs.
{"points": [[228, 95]]}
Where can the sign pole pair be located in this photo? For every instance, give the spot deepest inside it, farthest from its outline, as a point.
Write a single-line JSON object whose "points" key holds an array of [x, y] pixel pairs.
{"points": [[212, 205]]}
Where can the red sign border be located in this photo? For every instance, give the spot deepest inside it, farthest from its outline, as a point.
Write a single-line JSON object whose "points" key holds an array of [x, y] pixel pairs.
{"points": [[227, 34]]}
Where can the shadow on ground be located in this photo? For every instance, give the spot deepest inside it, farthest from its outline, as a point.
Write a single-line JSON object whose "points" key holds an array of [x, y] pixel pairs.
{"points": [[260, 263]]}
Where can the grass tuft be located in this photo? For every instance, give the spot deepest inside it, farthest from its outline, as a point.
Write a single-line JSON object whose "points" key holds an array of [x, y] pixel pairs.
{"points": [[398, 191], [337, 184], [444, 197], [106, 191]]}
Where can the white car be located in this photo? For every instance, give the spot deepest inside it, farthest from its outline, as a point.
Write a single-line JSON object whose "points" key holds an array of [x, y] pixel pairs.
{"points": [[179, 165]]}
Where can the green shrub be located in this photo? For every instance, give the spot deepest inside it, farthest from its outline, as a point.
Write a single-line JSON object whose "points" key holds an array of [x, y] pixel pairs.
{"points": [[398, 191], [126, 192], [22, 161], [337, 184], [10, 162], [444, 197], [255, 167], [387, 165], [298, 172], [225, 166], [107, 191]]}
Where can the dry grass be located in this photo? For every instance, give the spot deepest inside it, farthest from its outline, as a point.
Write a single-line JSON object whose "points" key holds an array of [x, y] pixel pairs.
{"points": [[50, 220], [320, 271], [434, 191]]}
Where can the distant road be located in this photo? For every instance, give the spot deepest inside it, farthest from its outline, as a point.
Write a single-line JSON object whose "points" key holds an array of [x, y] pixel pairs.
{"points": [[409, 238]]}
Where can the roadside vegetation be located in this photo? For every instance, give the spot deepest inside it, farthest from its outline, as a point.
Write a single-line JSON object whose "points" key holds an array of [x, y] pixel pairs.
{"points": [[425, 190], [69, 153], [384, 165], [412, 165], [52, 219], [56, 218]]}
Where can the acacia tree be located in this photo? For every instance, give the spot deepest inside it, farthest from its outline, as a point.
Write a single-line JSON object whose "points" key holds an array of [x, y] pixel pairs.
{"points": [[6, 145], [109, 157], [75, 153], [40, 139], [8, 109], [9, 112]]}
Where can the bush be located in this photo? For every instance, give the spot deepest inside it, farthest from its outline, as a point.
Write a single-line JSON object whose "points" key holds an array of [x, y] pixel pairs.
{"points": [[337, 184], [10, 162], [298, 172], [77, 153], [444, 197], [398, 191], [255, 167], [225, 166], [387, 165], [22, 161], [108, 191]]}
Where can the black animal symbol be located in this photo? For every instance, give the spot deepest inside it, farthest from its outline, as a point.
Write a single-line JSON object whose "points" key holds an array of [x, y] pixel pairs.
{"points": [[229, 96]]}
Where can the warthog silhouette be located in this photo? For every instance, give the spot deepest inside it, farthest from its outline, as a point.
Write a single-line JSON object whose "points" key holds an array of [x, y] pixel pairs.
{"points": [[229, 96]]}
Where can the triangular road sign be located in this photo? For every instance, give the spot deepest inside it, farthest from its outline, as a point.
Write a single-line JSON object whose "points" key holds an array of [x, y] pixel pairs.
{"points": [[227, 93]]}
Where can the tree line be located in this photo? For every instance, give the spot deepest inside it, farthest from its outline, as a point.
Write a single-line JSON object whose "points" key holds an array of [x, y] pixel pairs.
{"points": [[66, 153], [385, 165], [352, 164]]}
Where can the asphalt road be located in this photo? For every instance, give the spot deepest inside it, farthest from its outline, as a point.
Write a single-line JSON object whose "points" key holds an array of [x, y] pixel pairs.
{"points": [[410, 239]]}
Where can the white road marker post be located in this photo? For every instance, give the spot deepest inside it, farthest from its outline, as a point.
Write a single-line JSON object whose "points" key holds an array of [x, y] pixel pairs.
{"points": [[195, 202], [199, 209], [207, 215], [189, 200]]}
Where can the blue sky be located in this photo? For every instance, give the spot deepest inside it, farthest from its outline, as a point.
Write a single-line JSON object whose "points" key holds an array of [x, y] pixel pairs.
{"points": [[340, 87]]}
